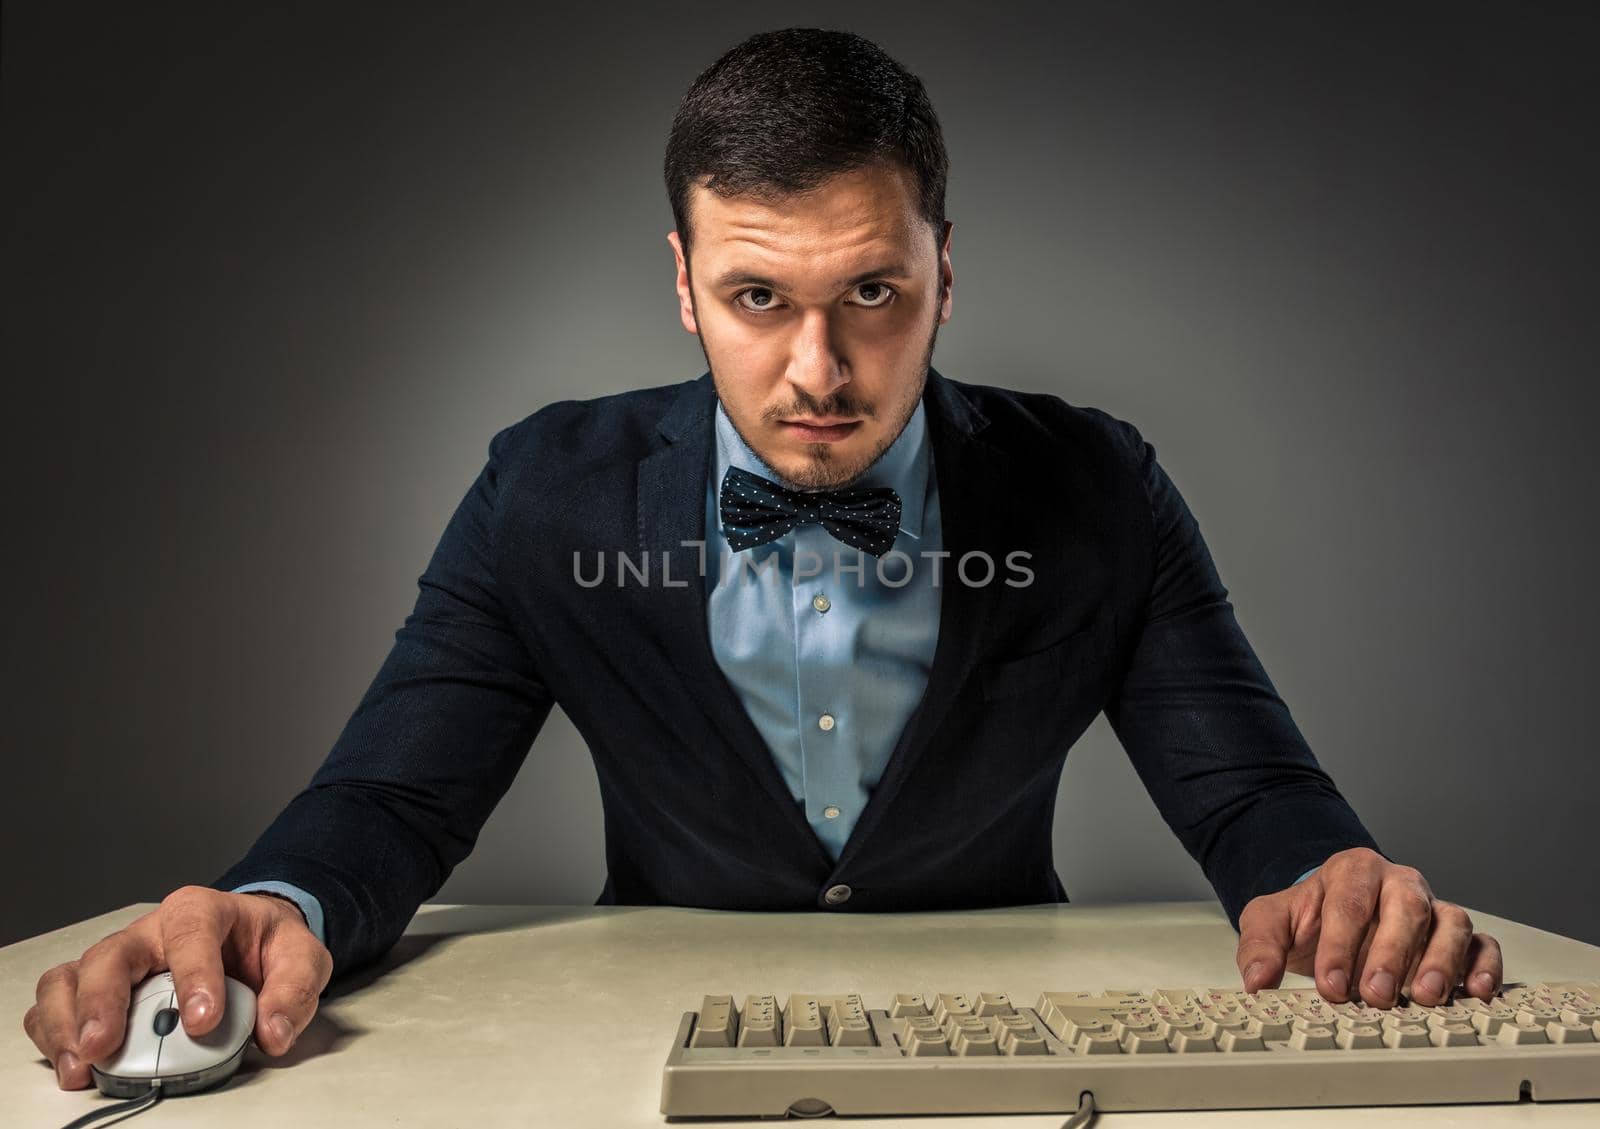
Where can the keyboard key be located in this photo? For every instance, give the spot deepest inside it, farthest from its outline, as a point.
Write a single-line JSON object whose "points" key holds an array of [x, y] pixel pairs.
{"points": [[947, 1004], [1560, 1032], [908, 1003], [1489, 1020], [1452, 1035], [1242, 1040], [1274, 1029], [1144, 1042], [1406, 1035], [802, 1022], [848, 1025], [1312, 1037], [993, 1003], [970, 1035], [1016, 1035], [1359, 1037], [1072, 1031], [1514, 1033], [1098, 1043], [717, 1023], [1193, 1039]]}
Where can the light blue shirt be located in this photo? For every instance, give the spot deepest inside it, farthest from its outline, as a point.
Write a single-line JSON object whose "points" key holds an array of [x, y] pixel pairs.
{"points": [[830, 656], [828, 646]]}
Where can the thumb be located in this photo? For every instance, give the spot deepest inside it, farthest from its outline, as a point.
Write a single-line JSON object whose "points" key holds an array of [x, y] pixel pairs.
{"points": [[295, 968], [1266, 935]]}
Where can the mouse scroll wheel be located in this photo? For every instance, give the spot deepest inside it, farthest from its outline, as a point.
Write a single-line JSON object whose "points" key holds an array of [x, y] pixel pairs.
{"points": [[166, 1020]]}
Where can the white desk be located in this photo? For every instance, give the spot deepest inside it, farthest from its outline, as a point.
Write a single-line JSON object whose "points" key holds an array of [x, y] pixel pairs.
{"points": [[500, 1015]]}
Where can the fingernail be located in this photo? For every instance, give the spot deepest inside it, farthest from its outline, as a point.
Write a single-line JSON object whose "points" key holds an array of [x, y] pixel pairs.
{"points": [[282, 1030], [1251, 973], [1381, 984], [1339, 982], [66, 1063], [1433, 983], [197, 1006], [90, 1028], [1484, 981]]}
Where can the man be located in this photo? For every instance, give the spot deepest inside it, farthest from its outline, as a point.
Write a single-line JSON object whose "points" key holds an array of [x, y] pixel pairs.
{"points": [[770, 733]]}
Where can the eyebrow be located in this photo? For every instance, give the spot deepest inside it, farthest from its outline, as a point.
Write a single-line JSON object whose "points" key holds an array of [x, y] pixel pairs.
{"points": [[740, 276]]}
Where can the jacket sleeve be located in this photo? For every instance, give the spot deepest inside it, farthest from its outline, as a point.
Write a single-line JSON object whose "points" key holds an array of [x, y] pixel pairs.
{"points": [[1206, 730], [431, 748]]}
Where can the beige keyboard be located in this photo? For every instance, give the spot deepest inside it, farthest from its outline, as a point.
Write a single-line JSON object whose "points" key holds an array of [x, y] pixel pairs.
{"points": [[1162, 1049]]}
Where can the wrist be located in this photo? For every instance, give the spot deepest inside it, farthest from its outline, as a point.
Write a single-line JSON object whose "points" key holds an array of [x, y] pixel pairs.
{"points": [[285, 899]]}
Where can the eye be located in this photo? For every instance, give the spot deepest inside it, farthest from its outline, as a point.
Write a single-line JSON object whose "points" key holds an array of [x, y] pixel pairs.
{"points": [[885, 292], [753, 290]]}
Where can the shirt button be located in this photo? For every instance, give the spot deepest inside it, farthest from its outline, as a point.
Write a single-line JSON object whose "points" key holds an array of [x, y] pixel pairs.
{"points": [[830, 812], [821, 602], [825, 721], [837, 895]]}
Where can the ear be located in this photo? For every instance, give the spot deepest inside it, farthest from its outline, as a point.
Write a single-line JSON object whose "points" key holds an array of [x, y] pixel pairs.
{"points": [[947, 276], [685, 299]]}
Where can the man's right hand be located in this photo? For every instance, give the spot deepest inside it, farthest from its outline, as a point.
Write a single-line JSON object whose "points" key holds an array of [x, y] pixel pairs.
{"points": [[198, 933]]}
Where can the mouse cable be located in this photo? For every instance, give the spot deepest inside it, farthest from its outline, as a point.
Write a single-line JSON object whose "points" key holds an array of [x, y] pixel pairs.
{"points": [[1079, 1120], [130, 1107]]}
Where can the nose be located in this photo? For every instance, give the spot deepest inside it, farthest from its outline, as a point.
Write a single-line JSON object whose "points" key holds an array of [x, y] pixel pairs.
{"points": [[815, 366]]}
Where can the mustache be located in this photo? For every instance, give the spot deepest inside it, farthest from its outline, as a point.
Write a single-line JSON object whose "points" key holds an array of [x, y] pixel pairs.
{"points": [[825, 408]]}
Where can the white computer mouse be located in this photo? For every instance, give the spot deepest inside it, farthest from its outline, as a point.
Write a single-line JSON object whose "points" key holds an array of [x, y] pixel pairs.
{"points": [[156, 1048]]}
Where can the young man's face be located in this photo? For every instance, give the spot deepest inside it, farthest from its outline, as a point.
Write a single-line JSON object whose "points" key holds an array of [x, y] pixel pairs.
{"points": [[824, 309]]}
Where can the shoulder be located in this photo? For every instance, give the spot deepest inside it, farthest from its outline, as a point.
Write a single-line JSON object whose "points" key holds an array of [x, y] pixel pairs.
{"points": [[578, 436], [1042, 426]]}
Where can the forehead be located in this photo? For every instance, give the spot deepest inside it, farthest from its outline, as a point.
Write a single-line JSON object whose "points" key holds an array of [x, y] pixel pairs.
{"points": [[862, 214]]}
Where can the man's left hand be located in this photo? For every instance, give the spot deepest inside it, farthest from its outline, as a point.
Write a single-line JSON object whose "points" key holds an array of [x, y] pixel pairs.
{"points": [[1361, 920]]}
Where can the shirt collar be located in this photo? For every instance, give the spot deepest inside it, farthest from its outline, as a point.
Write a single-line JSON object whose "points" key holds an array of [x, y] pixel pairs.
{"points": [[904, 466]]}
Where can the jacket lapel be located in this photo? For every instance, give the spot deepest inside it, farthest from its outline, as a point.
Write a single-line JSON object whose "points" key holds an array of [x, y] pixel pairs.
{"points": [[975, 517], [671, 486]]}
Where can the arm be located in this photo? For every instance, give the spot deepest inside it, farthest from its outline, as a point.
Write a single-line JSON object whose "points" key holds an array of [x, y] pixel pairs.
{"points": [[1206, 730], [429, 751]]}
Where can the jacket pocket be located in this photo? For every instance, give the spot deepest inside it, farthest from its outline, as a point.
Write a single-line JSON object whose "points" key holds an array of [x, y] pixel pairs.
{"points": [[1062, 664]]}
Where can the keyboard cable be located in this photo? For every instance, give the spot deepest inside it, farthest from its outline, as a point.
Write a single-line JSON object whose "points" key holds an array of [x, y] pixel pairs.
{"points": [[129, 1108], [1079, 1120]]}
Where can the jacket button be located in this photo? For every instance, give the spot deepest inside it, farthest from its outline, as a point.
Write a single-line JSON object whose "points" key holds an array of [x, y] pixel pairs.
{"points": [[837, 895]]}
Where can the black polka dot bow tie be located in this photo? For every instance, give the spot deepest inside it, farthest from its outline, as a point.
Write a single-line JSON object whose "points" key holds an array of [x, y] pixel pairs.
{"points": [[756, 510]]}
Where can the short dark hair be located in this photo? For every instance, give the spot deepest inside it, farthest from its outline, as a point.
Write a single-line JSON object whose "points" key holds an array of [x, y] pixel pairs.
{"points": [[784, 111]]}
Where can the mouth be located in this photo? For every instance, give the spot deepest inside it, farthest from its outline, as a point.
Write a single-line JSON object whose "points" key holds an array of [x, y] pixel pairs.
{"points": [[825, 430]]}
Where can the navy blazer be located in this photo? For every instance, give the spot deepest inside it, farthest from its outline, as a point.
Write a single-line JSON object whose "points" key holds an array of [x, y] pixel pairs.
{"points": [[1125, 613]]}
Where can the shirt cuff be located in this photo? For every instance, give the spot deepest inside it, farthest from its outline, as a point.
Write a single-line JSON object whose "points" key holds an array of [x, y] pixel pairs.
{"points": [[309, 906]]}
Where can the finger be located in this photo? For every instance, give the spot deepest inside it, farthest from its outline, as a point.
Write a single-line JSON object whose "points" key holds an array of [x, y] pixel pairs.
{"points": [[1405, 920], [52, 1024], [1485, 966], [1362, 953], [194, 921], [1350, 897], [107, 973], [296, 968], [1442, 962], [1266, 934]]}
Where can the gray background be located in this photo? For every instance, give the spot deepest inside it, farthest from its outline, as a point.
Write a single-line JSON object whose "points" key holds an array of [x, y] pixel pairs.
{"points": [[273, 278]]}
